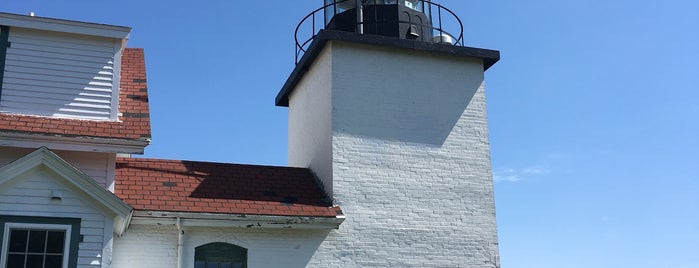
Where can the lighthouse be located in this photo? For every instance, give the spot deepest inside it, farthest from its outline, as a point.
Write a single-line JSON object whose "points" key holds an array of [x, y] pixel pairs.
{"points": [[387, 109]]}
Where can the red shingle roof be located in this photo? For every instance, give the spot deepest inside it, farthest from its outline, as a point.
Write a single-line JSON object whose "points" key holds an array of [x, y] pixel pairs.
{"points": [[134, 118], [185, 186]]}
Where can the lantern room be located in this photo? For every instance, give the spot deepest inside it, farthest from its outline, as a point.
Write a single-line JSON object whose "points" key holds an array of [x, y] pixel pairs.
{"points": [[404, 19], [412, 20]]}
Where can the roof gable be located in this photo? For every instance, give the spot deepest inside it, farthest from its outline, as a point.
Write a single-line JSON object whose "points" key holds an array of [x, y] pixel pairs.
{"points": [[76, 178]]}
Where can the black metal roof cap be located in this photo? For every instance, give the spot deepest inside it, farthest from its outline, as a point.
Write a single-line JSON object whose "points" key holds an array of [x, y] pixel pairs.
{"points": [[488, 56]]}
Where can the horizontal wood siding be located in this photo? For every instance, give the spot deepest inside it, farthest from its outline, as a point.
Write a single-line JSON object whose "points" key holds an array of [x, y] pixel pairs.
{"points": [[60, 75], [29, 195], [99, 166]]}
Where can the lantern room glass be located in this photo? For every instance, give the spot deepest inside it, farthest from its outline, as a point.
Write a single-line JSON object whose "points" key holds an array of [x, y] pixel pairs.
{"points": [[334, 7]]}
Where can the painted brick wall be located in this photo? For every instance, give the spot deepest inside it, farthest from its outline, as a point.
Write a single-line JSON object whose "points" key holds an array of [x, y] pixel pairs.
{"points": [[411, 162], [156, 246], [143, 246], [310, 123]]}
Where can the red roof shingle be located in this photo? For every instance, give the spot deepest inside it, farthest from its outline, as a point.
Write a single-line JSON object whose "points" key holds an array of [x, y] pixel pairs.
{"points": [[186, 186], [134, 118]]}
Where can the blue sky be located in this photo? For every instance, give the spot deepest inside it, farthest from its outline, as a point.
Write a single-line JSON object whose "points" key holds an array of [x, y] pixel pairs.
{"points": [[593, 111]]}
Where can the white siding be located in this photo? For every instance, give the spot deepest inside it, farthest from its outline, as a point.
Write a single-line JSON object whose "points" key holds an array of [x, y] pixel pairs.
{"points": [[156, 246], [61, 75], [29, 195], [99, 166]]}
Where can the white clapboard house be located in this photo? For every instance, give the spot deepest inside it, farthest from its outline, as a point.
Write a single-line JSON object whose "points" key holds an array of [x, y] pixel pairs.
{"points": [[388, 153]]}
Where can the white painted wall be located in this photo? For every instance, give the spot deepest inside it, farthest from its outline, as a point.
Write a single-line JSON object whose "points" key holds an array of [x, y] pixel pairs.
{"points": [[99, 166], [156, 246], [146, 246], [410, 159], [61, 75], [30, 195], [310, 122]]}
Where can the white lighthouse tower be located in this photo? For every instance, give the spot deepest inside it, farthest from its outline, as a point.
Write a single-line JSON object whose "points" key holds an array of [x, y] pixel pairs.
{"points": [[387, 108]]}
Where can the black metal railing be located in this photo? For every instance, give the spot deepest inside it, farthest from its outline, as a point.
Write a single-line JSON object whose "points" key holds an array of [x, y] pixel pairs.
{"points": [[439, 16]]}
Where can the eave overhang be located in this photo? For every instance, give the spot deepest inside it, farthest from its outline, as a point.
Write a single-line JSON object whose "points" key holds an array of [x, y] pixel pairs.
{"points": [[189, 219], [489, 57], [76, 143], [65, 26]]}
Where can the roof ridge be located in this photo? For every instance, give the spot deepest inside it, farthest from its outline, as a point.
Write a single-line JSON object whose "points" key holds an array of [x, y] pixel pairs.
{"points": [[148, 159]]}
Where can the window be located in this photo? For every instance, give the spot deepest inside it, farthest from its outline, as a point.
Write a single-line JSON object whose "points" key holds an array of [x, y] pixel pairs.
{"points": [[33, 242], [220, 255], [32, 245]]}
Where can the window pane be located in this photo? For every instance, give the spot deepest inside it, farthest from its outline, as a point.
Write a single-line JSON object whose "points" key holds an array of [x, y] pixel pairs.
{"points": [[18, 241], [35, 261], [54, 261], [28, 248], [15, 261], [55, 242], [37, 241], [220, 255], [199, 264]]}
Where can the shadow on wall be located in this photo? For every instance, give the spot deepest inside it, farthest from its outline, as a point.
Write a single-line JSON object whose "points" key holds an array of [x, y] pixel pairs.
{"points": [[58, 75], [425, 116], [51, 92]]}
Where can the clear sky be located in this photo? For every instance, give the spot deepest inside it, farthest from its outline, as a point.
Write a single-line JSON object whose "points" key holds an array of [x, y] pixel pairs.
{"points": [[593, 111]]}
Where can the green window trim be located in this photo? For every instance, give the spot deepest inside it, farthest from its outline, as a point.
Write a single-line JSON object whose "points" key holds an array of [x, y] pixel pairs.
{"points": [[220, 255], [74, 224]]}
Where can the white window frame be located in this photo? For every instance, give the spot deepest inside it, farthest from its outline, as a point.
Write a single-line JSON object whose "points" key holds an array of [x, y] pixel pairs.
{"points": [[33, 226]]}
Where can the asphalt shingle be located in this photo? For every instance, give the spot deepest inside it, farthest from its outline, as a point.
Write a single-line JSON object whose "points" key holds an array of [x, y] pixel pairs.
{"points": [[187, 186]]}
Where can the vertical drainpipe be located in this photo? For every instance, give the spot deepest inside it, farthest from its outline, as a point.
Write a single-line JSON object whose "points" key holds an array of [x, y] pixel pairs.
{"points": [[360, 17], [180, 242]]}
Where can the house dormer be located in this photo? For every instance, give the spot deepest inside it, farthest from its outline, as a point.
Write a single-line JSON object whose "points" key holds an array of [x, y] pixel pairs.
{"points": [[71, 85], [61, 68]]}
